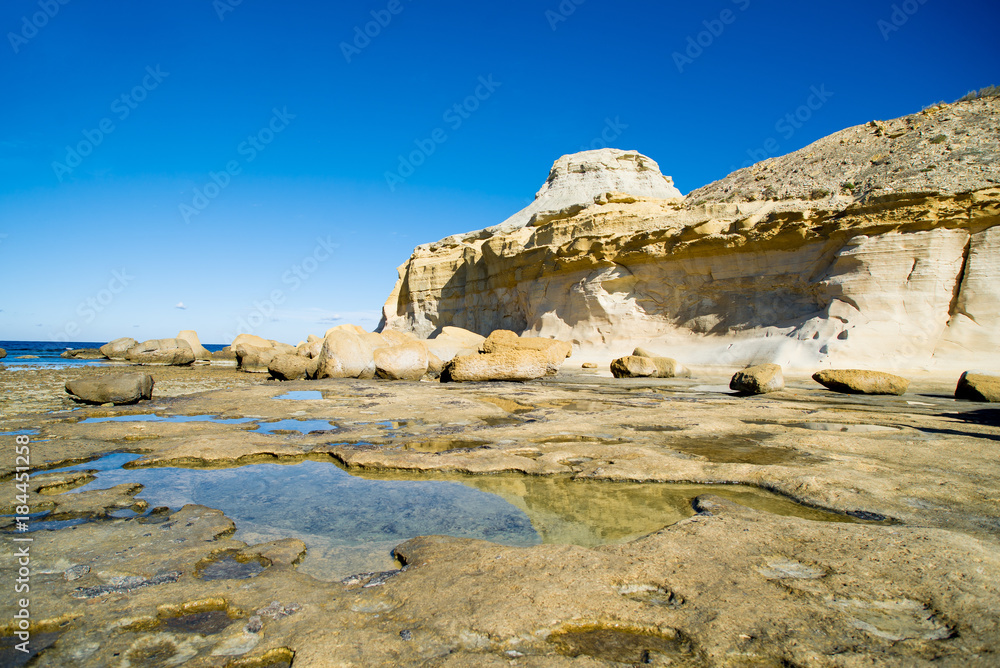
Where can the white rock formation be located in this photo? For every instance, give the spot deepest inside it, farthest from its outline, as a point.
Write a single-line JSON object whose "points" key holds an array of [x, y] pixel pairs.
{"points": [[898, 268], [578, 178]]}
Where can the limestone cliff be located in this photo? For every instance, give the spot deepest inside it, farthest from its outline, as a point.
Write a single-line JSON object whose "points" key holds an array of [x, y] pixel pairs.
{"points": [[878, 245]]}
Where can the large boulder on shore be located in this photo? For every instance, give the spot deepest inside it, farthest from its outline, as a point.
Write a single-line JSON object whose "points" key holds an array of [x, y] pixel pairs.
{"points": [[83, 354], [758, 379], [633, 366], [161, 352], [113, 389], [3, 353], [290, 367], [453, 341], [504, 339], [253, 359], [517, 365], [224, 357], [254, 353], [407, 361], [979, 386], [200, 352], [645, 366], [666, 367], [310, 349], [348, 352], [858, 381], [118, 349]]}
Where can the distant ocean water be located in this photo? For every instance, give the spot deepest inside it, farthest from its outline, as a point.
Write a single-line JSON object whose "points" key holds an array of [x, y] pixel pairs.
{"points": [[47, 352]]}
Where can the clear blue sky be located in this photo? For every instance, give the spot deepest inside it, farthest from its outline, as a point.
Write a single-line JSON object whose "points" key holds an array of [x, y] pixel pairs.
{"points": [[160, 95]]}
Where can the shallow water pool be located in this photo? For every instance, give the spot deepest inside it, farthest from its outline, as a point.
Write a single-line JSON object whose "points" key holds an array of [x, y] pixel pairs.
{"points": [[351, 523]]}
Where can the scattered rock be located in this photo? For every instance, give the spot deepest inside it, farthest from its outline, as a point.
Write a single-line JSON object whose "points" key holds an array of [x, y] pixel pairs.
{"points": [[168, 352], [633, 366], [519, 365], [289, 367], [589, 365], [858, 381], [117, 349], [3, 353], [979, 386], [408, 361], [200, 352], [83, 354], [759, 379], [120, 389], [76, 572]]}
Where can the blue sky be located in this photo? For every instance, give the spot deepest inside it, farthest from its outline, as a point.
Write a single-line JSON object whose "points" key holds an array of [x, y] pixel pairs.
{"points": [[243, 158]]}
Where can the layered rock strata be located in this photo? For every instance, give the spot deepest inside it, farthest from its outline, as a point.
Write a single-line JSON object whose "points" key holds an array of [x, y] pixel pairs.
{"points": [[876, 246]]}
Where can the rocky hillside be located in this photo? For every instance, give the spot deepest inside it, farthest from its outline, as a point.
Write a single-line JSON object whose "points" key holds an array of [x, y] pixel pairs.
{"points": [[878, 245]]}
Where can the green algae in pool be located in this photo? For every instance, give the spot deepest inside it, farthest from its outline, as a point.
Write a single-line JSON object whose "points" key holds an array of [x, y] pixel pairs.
{"points": [[351, 523]]}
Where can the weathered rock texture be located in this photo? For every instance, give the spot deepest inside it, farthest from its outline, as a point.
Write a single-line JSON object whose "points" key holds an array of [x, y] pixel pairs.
{"points": [[879, 244], [979, 386], [859, 381], [121, 389], [117, 349], [759, 379]]}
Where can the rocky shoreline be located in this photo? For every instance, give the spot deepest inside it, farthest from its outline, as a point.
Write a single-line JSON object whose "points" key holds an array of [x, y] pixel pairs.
{"points": [[912, 580]]}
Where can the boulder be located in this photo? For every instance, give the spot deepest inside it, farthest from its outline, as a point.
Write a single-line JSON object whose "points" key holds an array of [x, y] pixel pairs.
{"points": [[282, 348], [434, 365], [289, 367], [393, 338], [117, 349], [858, 381], [253, 359], [224, 357], [348, 352], [200, 352], [251, 340], [589, 365], [979, 386], [633, 366], [312, 338], [310, 349], [504, 339], [453, 341], [407, 361], [759, 379], [519, 365], [3, 353], [666, 367], [83, 354], [114, 389], [162, 352]]}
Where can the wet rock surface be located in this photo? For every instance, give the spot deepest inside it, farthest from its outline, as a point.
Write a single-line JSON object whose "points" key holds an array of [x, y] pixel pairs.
{"points": [[910, 580]]}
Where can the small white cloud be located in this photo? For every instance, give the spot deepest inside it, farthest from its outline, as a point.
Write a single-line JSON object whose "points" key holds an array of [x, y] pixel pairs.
{"points": [[180, 305]]}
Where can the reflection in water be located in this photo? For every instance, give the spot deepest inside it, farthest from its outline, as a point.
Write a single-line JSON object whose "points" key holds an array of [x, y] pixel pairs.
{"points": [[351, 523]]}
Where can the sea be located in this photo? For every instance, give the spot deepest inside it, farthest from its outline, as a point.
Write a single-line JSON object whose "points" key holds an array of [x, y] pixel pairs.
{"points": [[47, 353]]}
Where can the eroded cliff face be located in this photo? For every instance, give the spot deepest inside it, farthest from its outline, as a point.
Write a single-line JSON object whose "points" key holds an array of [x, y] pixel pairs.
{"points": [[879, 245]]}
